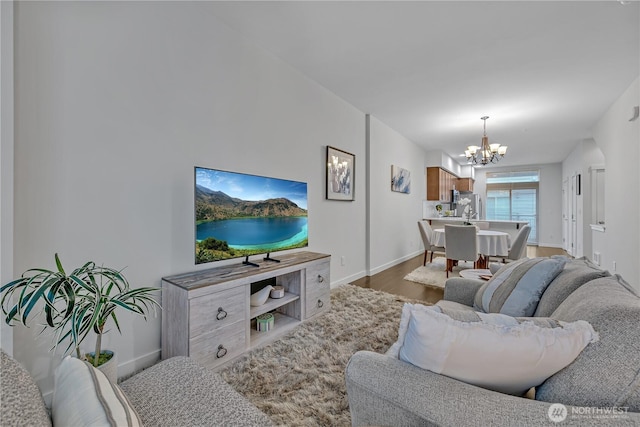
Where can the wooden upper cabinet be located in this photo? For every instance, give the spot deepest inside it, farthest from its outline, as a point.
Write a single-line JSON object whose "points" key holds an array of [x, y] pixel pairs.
{"points": [[433, 184], [439, 184], [445, 182], [465, 184]]}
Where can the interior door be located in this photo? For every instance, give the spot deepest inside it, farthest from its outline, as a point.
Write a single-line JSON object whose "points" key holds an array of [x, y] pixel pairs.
{"points": [[565, 214], [569, 216], [574, 216]]}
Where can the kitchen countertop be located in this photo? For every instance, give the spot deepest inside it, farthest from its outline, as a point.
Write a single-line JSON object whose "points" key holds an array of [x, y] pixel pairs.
{"points": [[461, 219]]}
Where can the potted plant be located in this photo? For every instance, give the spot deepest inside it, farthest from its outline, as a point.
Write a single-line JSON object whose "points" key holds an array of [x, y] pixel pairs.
{"points": [[74, 304], [467, 211]]}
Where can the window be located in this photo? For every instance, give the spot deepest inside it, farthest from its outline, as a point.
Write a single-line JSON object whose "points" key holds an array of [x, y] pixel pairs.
{"points": [[513, 196]]}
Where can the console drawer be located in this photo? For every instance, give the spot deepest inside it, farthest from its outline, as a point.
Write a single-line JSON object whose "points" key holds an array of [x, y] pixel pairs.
{"points": [[215, 348], [318, 288], [214, 311]]}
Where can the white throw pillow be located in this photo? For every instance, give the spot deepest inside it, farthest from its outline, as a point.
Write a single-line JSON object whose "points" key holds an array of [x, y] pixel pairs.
{"points": [[493, 351], [83, 396]]}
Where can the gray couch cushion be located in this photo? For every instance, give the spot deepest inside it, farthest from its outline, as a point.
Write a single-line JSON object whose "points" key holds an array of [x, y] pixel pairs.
{"points": [[20, 399], [607, 372], [452, 305], [576, 273], [384, 391], [461, 290], [179, 392]]}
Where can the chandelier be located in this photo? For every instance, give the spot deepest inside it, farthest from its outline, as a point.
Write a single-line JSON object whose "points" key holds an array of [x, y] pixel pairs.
{"points": [[486, 153]]}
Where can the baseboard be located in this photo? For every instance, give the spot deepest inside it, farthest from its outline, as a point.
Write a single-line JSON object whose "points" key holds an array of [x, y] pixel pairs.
{"points": [[393, 263], [133, 366], [551, 245], [348, 279]]}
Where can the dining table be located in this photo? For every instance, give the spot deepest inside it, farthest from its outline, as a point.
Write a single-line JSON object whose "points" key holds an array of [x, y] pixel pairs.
{"points": [[491, 243]]}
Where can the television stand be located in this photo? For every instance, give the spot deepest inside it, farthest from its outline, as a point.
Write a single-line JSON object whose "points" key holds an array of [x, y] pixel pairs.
{"points": [[247, 262], [268, 258], [208, 316]]}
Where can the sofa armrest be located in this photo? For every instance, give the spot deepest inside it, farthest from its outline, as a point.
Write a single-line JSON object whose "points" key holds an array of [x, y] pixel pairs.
{"points": [[386, 391], [180, 392], [462, 290]]}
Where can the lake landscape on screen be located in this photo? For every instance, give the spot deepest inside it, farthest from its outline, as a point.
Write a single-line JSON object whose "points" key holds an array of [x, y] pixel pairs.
{"points": [[238, 215]]}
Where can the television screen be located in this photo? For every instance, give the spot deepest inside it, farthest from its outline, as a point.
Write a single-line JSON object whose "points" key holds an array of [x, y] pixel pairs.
{"points": [[237, 215]]}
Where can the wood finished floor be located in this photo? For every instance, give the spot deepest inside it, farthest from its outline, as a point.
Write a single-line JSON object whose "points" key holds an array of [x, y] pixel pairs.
{"points": [[391, 280]]}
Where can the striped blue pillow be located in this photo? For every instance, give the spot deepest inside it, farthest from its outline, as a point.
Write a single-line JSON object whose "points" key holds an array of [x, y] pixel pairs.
{"points": [[517, 287]]}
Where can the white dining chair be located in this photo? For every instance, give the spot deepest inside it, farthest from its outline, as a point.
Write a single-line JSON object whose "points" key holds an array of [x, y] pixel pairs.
{"points": [[519, 246], [426, 232], [482, 225], [461, 244]]}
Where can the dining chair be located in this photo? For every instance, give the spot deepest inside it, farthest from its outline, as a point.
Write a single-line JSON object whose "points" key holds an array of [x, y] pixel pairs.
{"points": [[519, 246], [482, 225], [461, 244], [426, 232]]}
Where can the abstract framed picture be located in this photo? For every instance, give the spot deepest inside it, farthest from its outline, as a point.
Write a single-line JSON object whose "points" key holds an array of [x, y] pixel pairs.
{"points": [[400, 180], [341, 172]]}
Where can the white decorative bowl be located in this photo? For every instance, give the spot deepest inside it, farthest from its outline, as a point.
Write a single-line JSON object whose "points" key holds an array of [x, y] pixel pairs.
{"points": [[261, 296]]}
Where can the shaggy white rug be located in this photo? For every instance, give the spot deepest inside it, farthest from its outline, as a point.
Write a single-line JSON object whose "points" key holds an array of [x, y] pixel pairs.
{"points": [[298, 380], [434, 274]]}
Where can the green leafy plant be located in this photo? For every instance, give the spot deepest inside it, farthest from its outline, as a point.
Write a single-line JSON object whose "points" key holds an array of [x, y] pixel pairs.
{"points": [[74, 304]]}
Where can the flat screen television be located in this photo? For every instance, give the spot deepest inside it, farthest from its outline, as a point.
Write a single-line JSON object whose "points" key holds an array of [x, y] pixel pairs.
{"points": [[238, 215]]}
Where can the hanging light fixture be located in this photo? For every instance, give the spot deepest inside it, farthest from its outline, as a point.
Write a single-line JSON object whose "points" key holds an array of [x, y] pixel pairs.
{"points": [[486, 153]]}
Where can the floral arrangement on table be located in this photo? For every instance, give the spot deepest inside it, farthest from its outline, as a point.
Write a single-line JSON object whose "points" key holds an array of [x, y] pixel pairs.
{"points": [[467, 212], [439, 209]]}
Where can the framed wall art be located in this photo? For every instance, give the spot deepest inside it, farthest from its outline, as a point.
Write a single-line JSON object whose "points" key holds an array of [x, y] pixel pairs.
{"points": [[400, 180], [341, 172]]}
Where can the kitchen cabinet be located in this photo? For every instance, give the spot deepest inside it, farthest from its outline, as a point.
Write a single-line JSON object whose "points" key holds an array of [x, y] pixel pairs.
{"points": [[465, 184], [439, 184]]}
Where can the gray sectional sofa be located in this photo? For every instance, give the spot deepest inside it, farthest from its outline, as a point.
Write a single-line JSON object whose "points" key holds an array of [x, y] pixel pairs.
{"points": [[174, 392], [600, 387]]}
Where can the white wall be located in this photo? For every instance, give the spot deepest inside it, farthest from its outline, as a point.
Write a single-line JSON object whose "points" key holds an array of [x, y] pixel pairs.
{"points": [[393, 227], [618, 139], [440, 159], [549, 199], [6, 159], [115, 104]]}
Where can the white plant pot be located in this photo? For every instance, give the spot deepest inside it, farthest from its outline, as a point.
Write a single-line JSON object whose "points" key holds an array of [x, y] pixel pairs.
{"points": [[110, 369], [261, 296]]}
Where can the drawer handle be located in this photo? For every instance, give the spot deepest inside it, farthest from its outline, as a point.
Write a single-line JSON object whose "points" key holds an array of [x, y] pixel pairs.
{"points": [[320, 278], [221, 352], [221, 314], [320, 303]]}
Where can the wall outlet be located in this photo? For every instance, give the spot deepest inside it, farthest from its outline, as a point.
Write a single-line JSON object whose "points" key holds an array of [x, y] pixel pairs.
{"points": [[596, 258], [614, 265], [343, 260]]}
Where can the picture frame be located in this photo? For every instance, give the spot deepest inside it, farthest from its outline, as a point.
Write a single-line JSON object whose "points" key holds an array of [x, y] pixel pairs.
{"points": [[341, 173], [578, 184], [400, 180]]}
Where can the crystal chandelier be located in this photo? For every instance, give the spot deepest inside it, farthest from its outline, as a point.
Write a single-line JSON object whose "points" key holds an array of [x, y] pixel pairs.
{"points": [[486, 153]]}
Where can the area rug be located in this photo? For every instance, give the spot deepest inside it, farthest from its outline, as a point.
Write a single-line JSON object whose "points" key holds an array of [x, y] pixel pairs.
{"points": [[434, 273], [299, 379]]}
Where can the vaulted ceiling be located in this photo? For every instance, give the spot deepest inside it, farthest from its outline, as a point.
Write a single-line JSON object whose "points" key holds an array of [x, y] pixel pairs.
{"points": [[543, 71]]}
